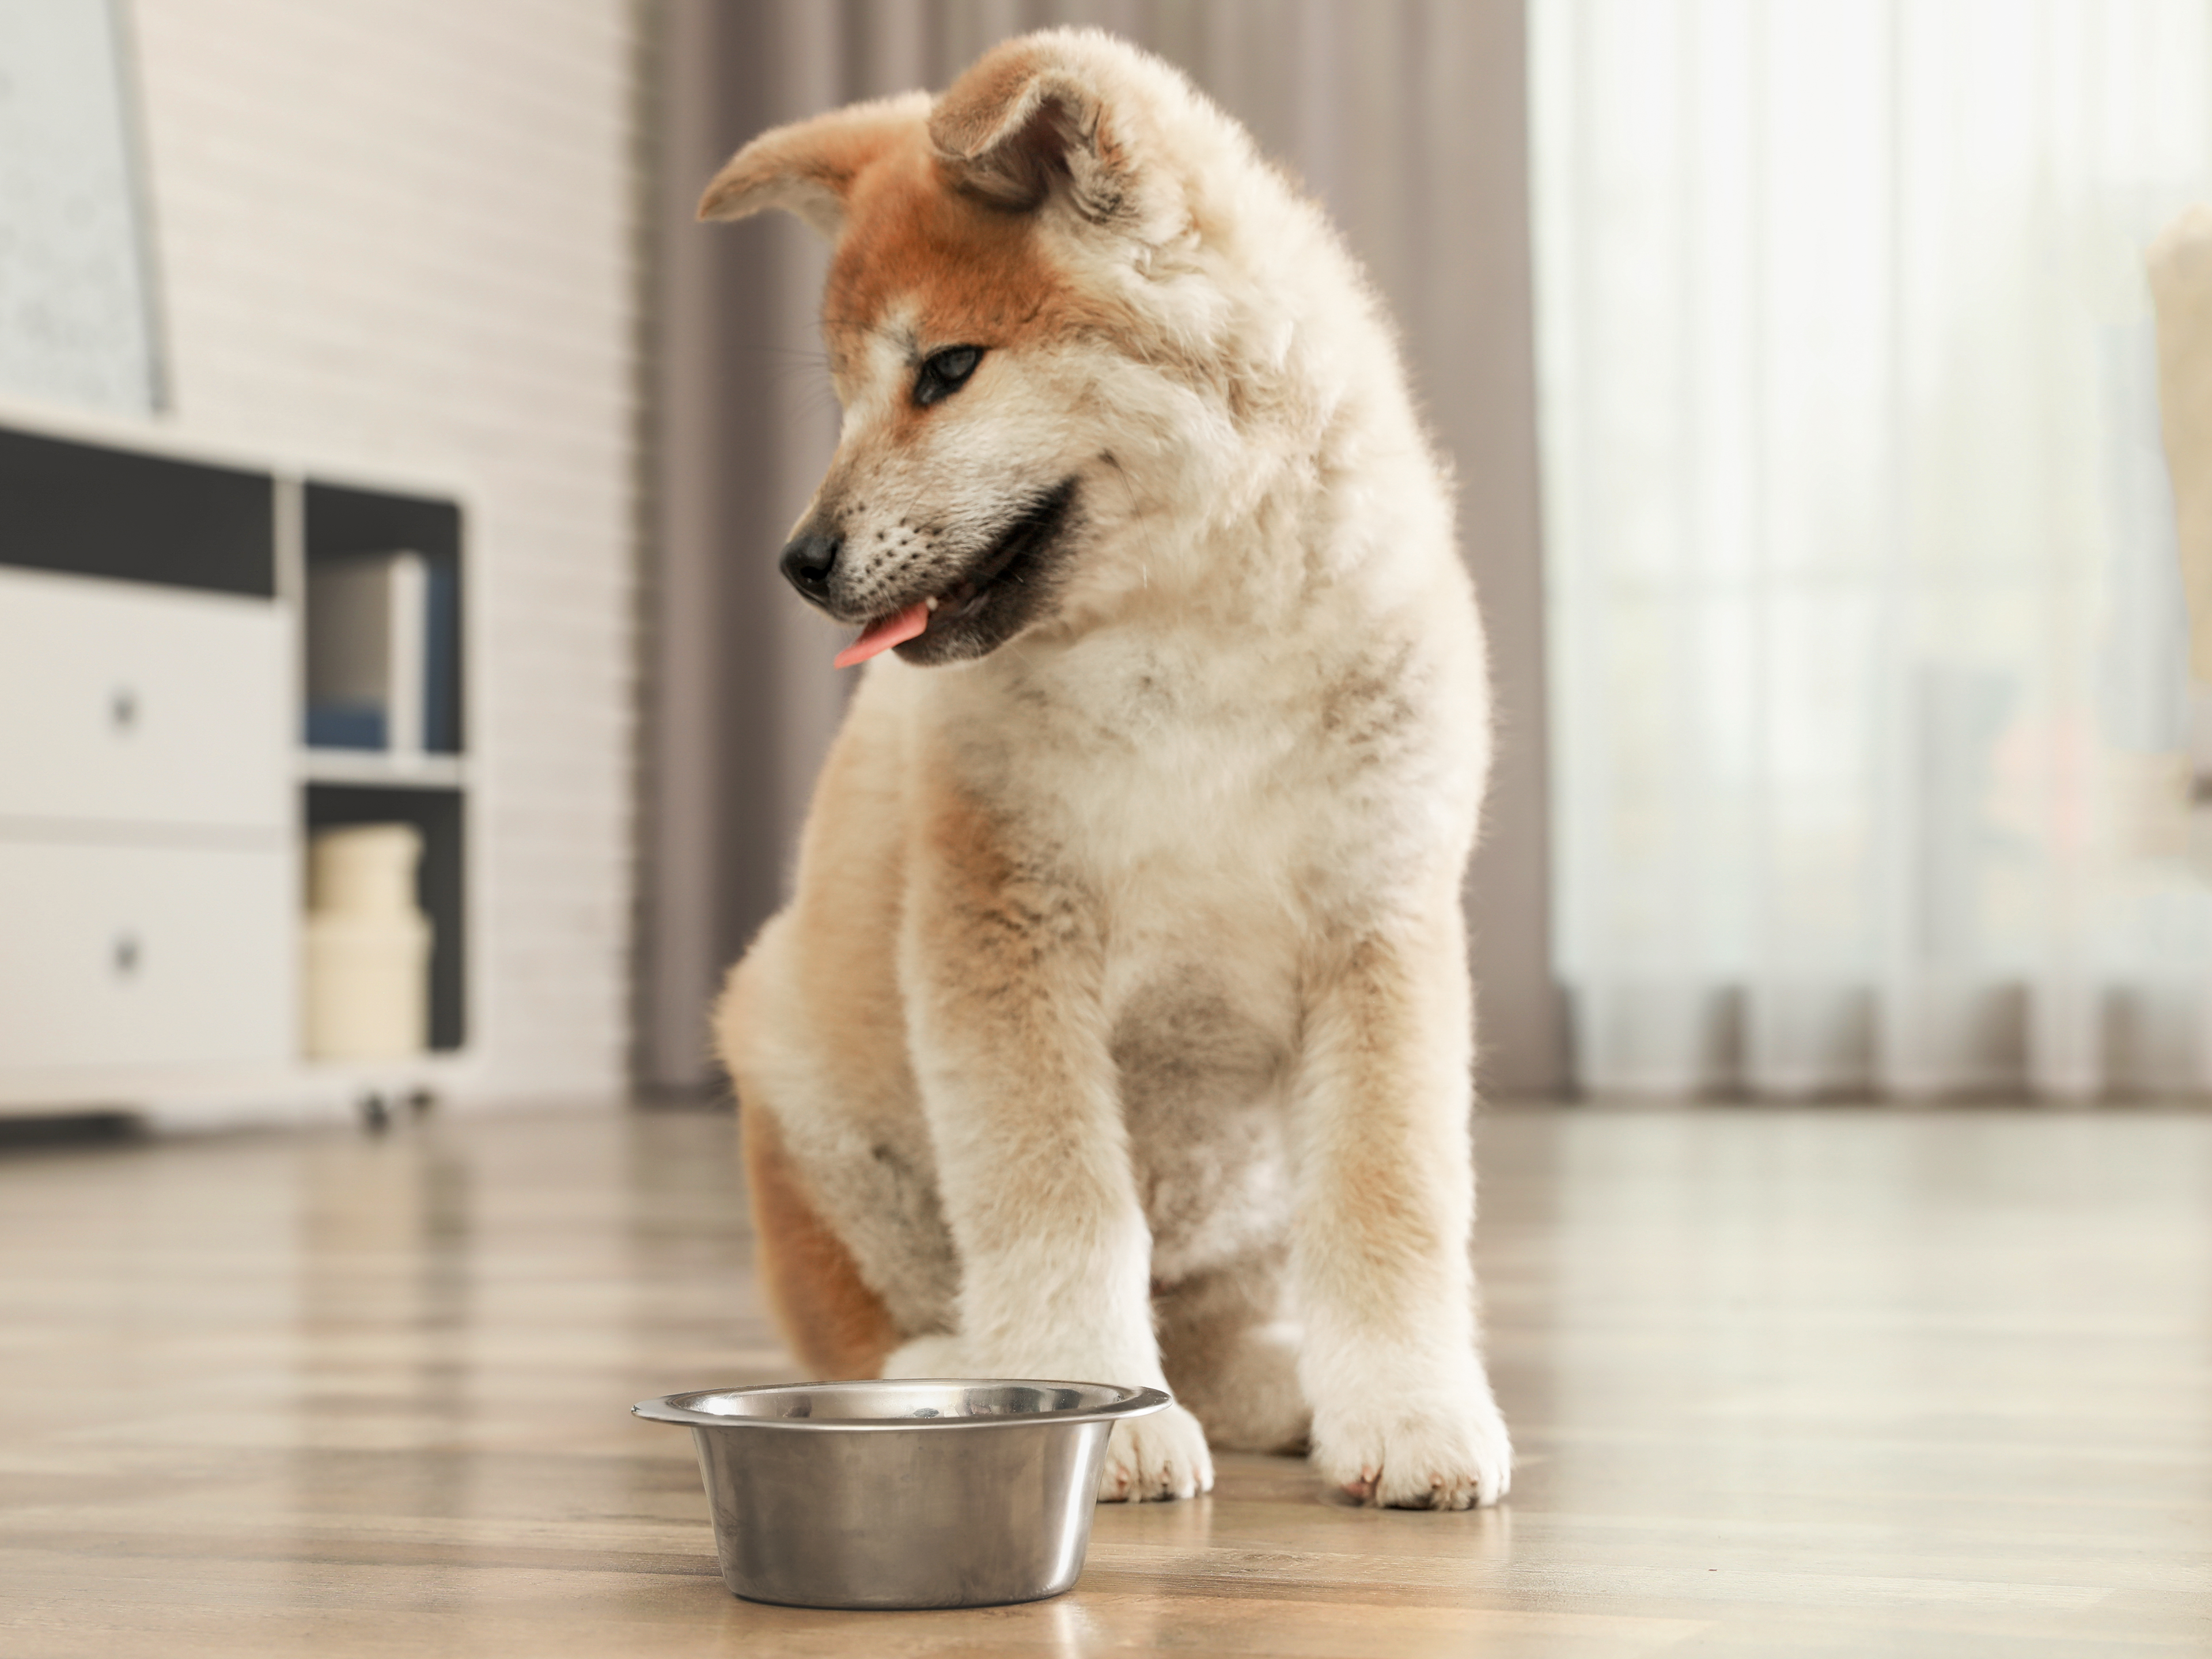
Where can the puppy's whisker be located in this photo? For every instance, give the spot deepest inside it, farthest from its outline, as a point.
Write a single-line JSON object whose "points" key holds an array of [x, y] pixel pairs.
{"points": [[1137, 516]]}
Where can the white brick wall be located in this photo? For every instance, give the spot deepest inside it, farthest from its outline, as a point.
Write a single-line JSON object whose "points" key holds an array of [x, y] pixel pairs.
{"points": [[398, 234]]}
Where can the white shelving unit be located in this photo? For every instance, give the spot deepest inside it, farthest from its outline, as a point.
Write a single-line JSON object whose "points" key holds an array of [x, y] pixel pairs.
{"points": [[155, 790]]}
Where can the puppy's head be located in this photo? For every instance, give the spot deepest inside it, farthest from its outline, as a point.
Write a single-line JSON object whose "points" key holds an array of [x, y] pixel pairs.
{"points": [[978, 320]]}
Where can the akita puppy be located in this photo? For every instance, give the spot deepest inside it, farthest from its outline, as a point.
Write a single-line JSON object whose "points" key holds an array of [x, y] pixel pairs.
{"points": [[1119, 1029]]}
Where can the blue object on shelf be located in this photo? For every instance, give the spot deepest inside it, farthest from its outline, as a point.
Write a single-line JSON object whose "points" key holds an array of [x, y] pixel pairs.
{"points": [[345, 726]]}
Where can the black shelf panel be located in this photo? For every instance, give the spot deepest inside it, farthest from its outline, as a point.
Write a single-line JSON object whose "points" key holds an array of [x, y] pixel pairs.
{"points": [[86, 510], [342, 521]]}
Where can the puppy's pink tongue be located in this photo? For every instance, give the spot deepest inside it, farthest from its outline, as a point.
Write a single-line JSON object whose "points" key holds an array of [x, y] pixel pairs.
{"points": [[879, 637]]}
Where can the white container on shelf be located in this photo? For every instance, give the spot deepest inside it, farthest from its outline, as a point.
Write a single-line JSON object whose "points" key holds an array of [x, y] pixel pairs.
{"points": [[367, 945]]}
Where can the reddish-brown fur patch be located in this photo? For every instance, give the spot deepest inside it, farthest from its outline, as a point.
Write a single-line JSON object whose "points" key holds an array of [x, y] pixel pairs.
{"points": [[973, 274], [916, 228], [837, 1326]]}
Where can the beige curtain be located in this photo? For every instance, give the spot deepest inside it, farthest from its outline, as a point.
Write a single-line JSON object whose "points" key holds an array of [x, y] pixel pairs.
{"points": [[1406, 116]]}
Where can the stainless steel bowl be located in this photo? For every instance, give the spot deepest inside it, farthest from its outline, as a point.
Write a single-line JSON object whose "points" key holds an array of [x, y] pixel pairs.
{"points": [[902, 1494]]}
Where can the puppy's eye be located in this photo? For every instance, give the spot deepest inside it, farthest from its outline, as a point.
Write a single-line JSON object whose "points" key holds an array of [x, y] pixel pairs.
{"points": [[944, 373]]}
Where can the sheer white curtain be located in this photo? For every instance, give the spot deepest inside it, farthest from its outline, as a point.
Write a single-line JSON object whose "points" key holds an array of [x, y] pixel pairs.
{"points": [[1869, 657]]}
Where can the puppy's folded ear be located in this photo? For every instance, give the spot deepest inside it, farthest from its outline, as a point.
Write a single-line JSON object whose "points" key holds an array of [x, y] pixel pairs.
{"points": [[1061, 113], [809, 166]]}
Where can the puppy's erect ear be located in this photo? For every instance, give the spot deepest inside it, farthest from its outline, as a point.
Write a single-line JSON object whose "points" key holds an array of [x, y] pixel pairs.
{"points": [[809, 166], [1056, 110]]}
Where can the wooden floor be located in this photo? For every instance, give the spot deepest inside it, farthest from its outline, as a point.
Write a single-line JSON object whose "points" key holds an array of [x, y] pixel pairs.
{"points": [[1818, 1381]]}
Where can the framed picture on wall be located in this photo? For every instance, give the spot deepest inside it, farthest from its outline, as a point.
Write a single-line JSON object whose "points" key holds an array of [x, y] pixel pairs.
{"points": [[78, 303]]}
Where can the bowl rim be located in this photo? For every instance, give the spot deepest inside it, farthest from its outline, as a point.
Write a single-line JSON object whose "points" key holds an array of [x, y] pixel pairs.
{"points": [[1134, 1401]]}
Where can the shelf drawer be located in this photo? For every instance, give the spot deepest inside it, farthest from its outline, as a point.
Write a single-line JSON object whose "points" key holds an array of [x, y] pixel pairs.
{"points": [[126, 956], [127, 704]]}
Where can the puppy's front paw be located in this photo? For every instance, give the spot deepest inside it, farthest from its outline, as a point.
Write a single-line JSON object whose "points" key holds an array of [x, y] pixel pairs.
{"points": [[1418, 1455], [1163, 1455]]}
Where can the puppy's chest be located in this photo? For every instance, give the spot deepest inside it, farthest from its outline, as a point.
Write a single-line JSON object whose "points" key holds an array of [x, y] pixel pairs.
{"points": [[1163, 762]]}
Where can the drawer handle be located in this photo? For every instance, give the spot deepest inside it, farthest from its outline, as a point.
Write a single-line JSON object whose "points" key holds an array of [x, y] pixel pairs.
{"points": [[123, 709], [125, 955]]}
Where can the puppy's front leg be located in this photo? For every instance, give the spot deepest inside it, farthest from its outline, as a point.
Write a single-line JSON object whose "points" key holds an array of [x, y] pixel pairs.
{"points": [[1403, 1413], [1002, 965]]}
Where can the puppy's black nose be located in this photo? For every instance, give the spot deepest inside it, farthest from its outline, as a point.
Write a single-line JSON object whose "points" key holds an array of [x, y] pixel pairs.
{"points": [[808, 561]]}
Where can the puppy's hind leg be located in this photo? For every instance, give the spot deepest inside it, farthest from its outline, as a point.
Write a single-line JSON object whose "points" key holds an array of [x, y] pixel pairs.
{"points": [[1232, 1362], [836, 1325]]}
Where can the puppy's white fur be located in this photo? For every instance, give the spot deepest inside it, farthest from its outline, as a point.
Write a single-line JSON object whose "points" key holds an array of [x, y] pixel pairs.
{"points": [[1123, 1010]]}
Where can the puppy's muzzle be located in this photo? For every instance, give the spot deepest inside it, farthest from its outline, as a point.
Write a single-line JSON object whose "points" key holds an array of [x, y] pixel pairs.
{"points": [[810, 561]]}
